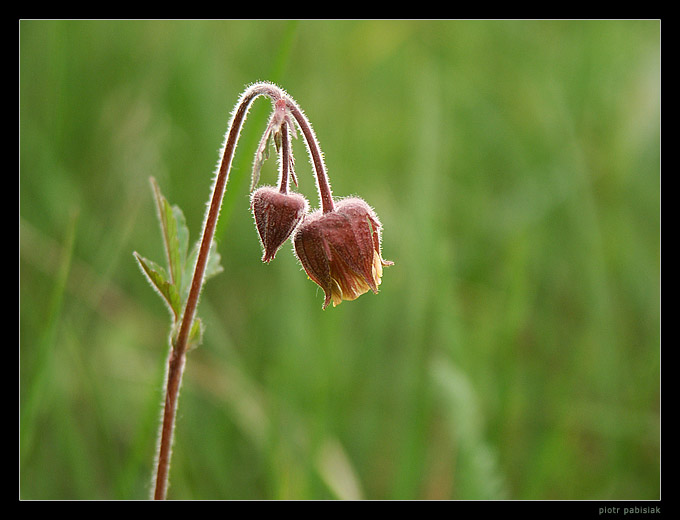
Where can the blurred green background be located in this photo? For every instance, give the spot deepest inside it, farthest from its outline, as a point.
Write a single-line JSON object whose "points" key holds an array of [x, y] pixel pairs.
{"points": [[513, 351]]}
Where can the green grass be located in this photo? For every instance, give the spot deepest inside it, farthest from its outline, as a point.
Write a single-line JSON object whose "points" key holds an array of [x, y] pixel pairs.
{"points": [[514, 349]]}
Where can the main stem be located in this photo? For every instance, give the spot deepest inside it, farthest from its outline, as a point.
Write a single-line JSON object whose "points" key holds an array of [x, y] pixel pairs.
{"points": [[177, 357]]}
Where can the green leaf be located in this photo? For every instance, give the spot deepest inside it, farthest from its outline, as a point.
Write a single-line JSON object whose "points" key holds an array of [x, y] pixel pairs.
{"points": [[195, 334], [173, 285], [169, 231], [212, 268], [182, 237], [159, 280]]}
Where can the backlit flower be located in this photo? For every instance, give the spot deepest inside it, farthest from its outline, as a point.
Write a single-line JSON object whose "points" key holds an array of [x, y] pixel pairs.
{"points": [[340, 250]]}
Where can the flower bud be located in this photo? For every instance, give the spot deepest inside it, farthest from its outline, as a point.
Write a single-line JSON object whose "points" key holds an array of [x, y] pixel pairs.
{"points": [[340, 250], [276, 216]]}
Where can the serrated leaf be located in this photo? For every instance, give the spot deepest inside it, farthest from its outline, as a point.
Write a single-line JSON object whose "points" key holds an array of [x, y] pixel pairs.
{"points": [[188, 275], [159, 280], [212, 268], [195, 334], [182, 238], [169, 233]]}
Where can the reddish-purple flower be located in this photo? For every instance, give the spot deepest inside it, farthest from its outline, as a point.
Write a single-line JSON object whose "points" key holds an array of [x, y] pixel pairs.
{"points": [[340, 250], [276, 216]]}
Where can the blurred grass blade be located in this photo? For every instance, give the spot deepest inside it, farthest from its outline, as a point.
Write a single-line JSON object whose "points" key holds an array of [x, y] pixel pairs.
{"points": [[477, 471], [337, 471], [40, 377]]}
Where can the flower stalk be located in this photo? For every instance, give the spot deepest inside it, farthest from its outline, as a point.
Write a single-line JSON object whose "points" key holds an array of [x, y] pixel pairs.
{"points": [[176, 359], [338, 245]]}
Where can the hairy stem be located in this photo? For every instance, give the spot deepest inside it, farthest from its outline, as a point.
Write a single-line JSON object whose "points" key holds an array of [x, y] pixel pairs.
{"points": [[176, 358], [316, 155]]}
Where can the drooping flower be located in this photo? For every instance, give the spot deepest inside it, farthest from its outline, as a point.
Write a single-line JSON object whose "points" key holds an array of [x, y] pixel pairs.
{"points": [[338, 245], [276, 216], [340, 250]]}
